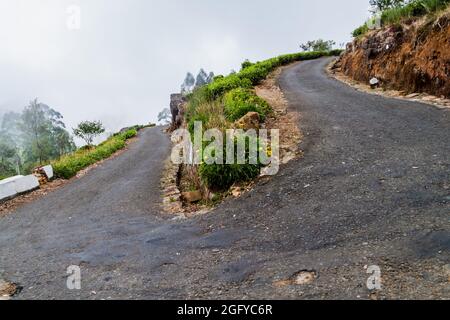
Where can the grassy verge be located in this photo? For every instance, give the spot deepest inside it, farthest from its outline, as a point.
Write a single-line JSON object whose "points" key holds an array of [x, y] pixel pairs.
{"points": [[69, 165], [414, 9], [227, 99]]}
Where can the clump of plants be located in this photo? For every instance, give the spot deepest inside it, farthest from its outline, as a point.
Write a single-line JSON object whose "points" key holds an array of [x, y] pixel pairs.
{"points": [[129, 134], [222, 176], [68, 166]]}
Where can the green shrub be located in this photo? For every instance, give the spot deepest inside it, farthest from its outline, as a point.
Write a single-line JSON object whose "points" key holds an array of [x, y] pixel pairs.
{"points": [[69, 165], [362, 30], [223, 176], [239, 102], [246, 64], [255, 73], [129, 134]]}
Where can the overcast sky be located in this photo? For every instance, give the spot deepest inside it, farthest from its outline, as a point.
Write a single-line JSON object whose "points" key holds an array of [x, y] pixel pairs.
{"points": [[126, 58]]}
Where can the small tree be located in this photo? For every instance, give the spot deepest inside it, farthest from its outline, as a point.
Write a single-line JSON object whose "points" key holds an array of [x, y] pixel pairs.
{"points": [[202, 79], [88, 130]]}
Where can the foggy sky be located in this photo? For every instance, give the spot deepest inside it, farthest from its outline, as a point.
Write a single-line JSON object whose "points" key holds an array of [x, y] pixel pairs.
{"points": [[129, 55]]}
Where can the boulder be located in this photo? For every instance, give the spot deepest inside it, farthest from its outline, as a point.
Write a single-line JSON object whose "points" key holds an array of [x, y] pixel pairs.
{"points": [[250, 121], [192, 196]]}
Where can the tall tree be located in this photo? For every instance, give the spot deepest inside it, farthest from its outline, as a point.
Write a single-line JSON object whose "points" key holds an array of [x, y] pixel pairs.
{"points": [[188, 84], [210, 77], [318, 45], [7, 159], [11, 137], [40, 125], [36, 129], [63, 141]]}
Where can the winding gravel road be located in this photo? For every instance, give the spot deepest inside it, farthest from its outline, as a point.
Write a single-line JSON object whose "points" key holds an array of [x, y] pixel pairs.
{"points": [[372, 189]]}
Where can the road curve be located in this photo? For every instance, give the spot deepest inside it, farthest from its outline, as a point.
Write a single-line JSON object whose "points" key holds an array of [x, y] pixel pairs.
{"points": [[372, 189]]}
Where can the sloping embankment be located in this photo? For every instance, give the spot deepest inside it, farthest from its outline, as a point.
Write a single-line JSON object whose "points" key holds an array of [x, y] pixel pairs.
{"points": [[411, 57]]}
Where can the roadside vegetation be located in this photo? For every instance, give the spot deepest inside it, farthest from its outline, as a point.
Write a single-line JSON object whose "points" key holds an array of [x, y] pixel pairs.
{"points": [[31, 138], [391, 12], [88, 130], [38, 136], [225, 100], [69, 165]]}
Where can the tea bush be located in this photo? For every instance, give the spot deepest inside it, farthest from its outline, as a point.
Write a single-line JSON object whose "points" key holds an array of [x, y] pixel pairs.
{"points": [[415, 8], [222, 176], [129, 134], [220, 86]]}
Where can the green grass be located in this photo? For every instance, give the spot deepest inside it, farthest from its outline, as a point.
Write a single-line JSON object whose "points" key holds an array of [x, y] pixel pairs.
{"points": [[414, 9], [69, 165]]}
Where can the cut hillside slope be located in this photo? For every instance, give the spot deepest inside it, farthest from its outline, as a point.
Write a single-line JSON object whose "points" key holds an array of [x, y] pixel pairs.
{"points": [[413, 56]]}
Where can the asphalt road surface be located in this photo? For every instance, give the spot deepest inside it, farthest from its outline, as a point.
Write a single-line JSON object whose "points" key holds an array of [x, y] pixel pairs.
{"points": [[373, 189]]}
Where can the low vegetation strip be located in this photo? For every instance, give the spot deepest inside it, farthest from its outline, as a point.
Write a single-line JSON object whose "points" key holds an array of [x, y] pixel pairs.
{"points": [[69, 165]]}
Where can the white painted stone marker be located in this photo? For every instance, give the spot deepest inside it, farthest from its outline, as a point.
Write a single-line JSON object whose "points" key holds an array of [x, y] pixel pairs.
{"points": [[48, 171], [11, 187]]}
